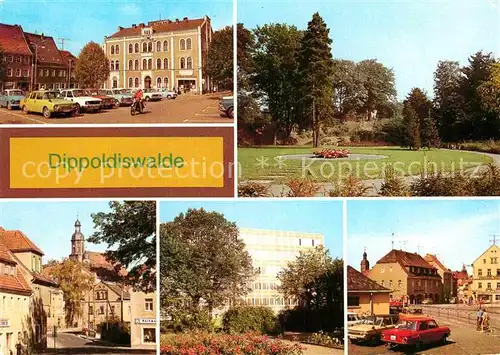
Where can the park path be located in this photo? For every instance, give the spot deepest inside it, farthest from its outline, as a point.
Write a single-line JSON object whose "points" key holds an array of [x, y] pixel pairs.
{"points": [[374, 185]]}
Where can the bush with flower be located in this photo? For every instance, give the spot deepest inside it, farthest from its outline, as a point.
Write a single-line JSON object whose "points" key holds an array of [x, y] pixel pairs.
{"points": [[203, 343], [331, 153]]}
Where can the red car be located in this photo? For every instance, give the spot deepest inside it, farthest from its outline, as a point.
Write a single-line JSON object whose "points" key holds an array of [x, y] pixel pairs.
{"points": [[416, 331], [107, 102]]}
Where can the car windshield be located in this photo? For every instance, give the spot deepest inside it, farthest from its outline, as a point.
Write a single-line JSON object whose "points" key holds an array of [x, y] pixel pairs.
{"points": [[352, 317], [123, 91], [78, 93], [15, 93], [101, 92], [374, 321], [407, 324], [51, 95]]}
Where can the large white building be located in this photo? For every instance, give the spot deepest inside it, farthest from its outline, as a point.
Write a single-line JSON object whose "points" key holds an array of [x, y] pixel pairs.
{"points": [[271, 251]]}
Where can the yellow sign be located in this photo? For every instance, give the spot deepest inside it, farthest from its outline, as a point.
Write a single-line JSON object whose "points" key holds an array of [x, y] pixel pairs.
{"points": [[116, 162]]}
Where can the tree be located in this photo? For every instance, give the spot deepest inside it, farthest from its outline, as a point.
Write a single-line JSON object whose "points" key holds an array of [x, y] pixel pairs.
{"points": [[379, 85], [316, 67], [349, 91], [74, 283], [448, 102], [420, 126], [203, 261], [489, 90], [220, 58], [275, 75], [130, 229], [429, 135], [92, 66]]}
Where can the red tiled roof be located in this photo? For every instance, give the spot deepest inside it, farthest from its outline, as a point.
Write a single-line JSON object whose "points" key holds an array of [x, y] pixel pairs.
{"points": [[461, 275], [102, 267], [47, 52], [16, 241], [159, 26], [67, 56], [356, 281], [12, 40], [433, 258], [10, 283], [405, 259]]}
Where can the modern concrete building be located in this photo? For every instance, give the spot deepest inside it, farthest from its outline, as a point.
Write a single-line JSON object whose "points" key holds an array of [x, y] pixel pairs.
{"points": [[365, 296], [271, 251], [486, 276], [160, 54]]}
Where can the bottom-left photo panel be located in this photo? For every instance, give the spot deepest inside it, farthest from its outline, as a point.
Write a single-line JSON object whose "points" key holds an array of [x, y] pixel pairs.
{"points": [[78, 277]]}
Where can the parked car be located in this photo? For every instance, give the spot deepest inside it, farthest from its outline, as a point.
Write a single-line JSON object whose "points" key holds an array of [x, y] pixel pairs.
{"points": [[11, 98], [416, 331], [427, 301], [107, 102], [226, 106], [123, 97], [83, 101], [353, 319], [371, 328], [152, 95], [169, 94], [48, 103]]}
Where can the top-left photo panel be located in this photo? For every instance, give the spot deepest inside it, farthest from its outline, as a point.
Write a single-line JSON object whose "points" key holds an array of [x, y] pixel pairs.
{"points": [[116, 62]]}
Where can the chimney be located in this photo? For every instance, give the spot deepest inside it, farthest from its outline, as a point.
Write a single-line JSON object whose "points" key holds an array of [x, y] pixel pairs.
{"points": [[120, 28], [185, 19], [169, 21], [141, 25], [176, 20], [134, 26]]}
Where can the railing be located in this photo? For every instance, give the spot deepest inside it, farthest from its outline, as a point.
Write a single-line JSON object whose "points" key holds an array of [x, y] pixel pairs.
{"points": [[464, 314]]}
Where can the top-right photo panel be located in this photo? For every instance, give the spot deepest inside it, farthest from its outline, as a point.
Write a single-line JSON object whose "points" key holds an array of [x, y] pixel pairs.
{"points": [[368, 98]]}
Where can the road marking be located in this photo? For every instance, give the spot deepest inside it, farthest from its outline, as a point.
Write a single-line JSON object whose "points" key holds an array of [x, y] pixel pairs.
{"points": [[25, 117]]}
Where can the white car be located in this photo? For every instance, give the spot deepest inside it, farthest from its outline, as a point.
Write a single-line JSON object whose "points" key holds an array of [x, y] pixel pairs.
{"points": [[82, 100], [353, 319], [168, 94], [152, 95]]}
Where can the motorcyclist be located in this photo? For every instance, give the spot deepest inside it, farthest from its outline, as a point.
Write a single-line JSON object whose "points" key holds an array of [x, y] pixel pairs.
{"points": [[138, 98]]}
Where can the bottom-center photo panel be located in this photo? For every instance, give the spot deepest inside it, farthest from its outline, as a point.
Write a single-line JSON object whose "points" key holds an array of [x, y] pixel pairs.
{"points": [[252, 277]]}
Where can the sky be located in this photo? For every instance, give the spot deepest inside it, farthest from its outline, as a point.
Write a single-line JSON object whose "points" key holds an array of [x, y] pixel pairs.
{"points": [[81, 21], [301, 216], [457, 231], [408, 36], [50, 225]]}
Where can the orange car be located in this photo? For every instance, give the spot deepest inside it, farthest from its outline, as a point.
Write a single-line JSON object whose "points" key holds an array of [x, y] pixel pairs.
{"points": [[107, 101]]}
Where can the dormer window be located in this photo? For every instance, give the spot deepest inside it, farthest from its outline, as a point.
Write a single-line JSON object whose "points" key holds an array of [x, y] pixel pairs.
{"points": [[146, 31]]}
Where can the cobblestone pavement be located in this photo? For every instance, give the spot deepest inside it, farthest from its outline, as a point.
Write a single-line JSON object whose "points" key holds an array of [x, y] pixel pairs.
{"points": [[187, 108], [463, 341]]}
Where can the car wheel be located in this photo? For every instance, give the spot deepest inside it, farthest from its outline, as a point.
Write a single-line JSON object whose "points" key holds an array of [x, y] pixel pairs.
{"points": [[418, 345], [230, 112], [444, 340], [78, 109], [9, 106], [169, 97], [117, 103], [25, 109], [147, 98], [46, 112]]}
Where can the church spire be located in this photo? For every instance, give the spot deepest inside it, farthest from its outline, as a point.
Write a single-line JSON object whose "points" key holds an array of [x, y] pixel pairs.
{"points": [[77, 242], [365, 264]]}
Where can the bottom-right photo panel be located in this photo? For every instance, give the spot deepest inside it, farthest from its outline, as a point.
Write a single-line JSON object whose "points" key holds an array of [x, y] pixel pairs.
{"points": [[423, 276]]}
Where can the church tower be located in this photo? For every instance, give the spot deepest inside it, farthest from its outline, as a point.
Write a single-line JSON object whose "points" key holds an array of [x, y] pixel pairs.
{"points": [[365, 264], [77, 243]]}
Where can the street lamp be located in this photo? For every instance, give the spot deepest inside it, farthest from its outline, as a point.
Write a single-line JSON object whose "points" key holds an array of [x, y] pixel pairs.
{"points": [[35, 68]]}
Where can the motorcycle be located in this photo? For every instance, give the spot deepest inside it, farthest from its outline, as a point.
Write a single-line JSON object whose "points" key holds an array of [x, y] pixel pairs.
{"points": [[137, 107]]}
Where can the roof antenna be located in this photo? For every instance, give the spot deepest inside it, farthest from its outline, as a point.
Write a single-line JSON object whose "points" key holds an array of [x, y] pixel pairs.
{"points": [[392, 241]]}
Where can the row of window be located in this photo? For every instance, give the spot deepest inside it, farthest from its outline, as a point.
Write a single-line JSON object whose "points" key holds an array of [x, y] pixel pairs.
{"points": [[148, 306], [147, 47], [493, 260], [19, 59], [36, 264], [18, 73], [147, 64], [414, 283], [60, 73], [488, 272], [6, 269], [270, 301], [488, 285], [265, 286], [13, 304]]}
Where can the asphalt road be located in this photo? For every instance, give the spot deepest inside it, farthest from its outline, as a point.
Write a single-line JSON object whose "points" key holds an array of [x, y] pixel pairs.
{"points": [[463, 340], [188, 108], [67, 343]]}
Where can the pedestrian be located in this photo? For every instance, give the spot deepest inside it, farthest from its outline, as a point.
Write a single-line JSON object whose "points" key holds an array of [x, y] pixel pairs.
{"points": [[479, 316], [485, 321], [19, 349]]}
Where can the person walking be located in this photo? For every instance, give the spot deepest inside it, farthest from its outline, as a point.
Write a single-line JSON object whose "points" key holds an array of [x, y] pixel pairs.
{"points": [[479, 318], [485, 321]]}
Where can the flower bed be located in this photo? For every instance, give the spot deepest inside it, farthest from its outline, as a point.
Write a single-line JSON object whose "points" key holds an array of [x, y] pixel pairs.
{"points": [[225, 344], [331, 153]]}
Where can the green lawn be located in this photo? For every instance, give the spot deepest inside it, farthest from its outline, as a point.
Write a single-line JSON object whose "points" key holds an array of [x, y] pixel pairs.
{"points": [[263, 164]]}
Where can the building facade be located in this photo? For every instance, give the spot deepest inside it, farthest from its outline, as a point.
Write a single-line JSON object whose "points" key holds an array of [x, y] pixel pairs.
{"points": [[365, 296], [33, 61], [449, 283], [410, 278], [160, 54], [486, 276], [143, 319], [271, 251]]}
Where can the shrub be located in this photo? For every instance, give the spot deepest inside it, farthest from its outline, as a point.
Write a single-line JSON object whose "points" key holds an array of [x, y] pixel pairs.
{"points": [[325, 339], [192, 320], [331, 153], [253, 189], [216, 344], [300, 187], [363, 135], [303, 320], [350, 187], [490, 146], [488, 182], [240, 320], [440, 184], [393, 185], [115, 332]]}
